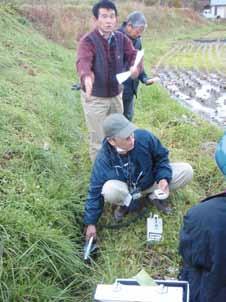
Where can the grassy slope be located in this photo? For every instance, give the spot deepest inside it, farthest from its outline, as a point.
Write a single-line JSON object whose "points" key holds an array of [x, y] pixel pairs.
{"points": [[45, 169], [42, 158]]}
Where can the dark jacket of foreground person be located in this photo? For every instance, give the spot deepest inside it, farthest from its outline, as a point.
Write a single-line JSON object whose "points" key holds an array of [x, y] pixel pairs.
{"points": [[203, 248], [148, 162]]}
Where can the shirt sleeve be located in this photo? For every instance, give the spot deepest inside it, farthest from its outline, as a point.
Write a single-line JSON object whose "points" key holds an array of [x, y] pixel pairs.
{"points": [[143, 77], [85, 57], [95, 202], [130, 53]]}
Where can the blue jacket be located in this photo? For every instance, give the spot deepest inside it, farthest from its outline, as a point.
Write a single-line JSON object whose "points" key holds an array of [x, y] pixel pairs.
{"points": [[131, 85], [203, 249], [147, 163]]}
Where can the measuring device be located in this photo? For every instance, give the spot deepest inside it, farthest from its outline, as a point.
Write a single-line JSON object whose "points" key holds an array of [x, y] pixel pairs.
{"points": [[154, 229]]}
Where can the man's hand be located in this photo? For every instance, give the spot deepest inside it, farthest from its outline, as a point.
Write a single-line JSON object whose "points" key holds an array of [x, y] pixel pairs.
{"points": [[91, 231], [88, 82], [134, 72], [164, 186], [151, 81]]}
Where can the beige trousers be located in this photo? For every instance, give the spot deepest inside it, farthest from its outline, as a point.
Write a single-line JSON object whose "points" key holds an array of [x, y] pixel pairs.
{"points": [[116, 191], [96, 109]]}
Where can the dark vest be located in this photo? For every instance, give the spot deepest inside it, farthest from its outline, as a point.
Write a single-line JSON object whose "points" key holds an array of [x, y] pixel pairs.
{"points": [[108, 61]]}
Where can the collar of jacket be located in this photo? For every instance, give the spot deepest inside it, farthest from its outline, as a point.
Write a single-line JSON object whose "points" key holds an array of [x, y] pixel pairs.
{"points": [[222, 194], [110, 152]]}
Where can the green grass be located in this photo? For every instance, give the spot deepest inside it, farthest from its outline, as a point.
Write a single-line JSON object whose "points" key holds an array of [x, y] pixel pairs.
{"points": [[208, 58], [44, 174]]}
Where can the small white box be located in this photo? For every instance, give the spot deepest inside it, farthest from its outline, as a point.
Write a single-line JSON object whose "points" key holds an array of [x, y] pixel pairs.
{"points": [[154, 229]]}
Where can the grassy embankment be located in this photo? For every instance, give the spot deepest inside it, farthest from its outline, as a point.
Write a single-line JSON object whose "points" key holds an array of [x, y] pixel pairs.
{"points": [[45, 170]]}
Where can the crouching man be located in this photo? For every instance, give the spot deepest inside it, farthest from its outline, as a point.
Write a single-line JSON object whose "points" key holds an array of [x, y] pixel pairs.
{"points": [[131, 163]]}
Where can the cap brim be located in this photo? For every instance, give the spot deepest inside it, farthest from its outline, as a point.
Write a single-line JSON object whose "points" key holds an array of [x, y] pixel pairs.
{"points": [[127, 131]]}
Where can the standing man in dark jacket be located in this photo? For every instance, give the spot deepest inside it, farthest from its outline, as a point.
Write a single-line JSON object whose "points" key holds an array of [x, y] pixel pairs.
{"points": [[131, 163], [133, 28], [102, 53], [203, 244]]}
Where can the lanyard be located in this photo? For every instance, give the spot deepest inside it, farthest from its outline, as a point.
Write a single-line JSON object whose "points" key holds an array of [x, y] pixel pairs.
{"points": [[126, 170]]}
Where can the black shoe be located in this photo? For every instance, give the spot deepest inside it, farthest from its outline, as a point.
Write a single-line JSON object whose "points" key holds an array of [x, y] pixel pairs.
{"points": [[161, 205]]}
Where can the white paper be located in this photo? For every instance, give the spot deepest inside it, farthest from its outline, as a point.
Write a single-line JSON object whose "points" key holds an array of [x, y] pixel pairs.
{"points": [[133, 293], [123, 76], [139, 56]]}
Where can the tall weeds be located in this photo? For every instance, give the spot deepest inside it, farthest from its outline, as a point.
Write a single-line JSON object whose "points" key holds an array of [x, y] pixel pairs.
{"points": [[66, 23], [42, 175]]}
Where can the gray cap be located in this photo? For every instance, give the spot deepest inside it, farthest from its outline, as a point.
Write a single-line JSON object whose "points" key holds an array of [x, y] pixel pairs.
{"points": [[117, 125], [137, 19]]}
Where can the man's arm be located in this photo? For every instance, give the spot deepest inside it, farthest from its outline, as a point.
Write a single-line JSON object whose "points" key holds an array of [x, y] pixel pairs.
{"points": [[84, 63], [88, 83], [130, 55], [164, 186], [90, 231], [93, 209], [147, 80], [95, 202], [159, 153], [143, 77]]}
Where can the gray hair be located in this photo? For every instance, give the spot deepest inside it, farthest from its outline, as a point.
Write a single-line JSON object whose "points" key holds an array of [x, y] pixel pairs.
{"points": [[136, 19]]}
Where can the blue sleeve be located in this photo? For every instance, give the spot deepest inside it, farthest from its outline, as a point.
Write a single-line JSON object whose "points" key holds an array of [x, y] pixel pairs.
{"points": [[161, 166], [143, 77], [95, 203]]}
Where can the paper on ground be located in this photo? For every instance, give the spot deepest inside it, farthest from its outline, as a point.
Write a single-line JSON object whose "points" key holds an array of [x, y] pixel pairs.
{"points": [[143, 278], [132, 293], [123, 76]]}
